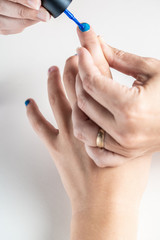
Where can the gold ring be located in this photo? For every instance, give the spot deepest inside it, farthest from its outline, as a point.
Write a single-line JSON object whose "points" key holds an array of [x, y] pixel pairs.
{"points": [[100, 138]]}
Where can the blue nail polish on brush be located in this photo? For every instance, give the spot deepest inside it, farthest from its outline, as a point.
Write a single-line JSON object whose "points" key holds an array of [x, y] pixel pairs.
{"points": [[57, 7], [85, 27], [72, 17], [27, 102]]}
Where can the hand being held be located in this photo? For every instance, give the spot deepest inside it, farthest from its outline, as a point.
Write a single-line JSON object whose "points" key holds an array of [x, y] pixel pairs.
{"points": [[129, 117], [16, 15], [97, 195], [80, 176]]}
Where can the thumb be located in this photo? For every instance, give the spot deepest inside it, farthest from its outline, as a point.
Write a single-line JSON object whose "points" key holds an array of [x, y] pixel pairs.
{"points": [[127, 63], [104, 158]]}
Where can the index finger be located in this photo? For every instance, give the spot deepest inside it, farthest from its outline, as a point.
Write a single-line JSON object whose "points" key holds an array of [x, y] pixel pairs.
{"points": [[89, 40], [29, 3], [104, 90]]}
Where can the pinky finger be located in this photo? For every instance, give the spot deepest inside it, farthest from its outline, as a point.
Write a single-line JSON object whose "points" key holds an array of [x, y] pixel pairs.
{"points": [[40, 125], [104, 158]]}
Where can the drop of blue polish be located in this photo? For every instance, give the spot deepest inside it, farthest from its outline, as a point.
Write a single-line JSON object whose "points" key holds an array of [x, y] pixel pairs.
{"points": [[27, 102], [84, 27]]}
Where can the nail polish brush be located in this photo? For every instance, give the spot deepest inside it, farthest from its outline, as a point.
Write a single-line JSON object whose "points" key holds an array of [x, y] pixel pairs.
{"points": [[57, 7]]}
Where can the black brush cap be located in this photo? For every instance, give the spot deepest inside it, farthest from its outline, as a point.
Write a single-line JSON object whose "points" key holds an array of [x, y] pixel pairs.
{"points": [[56, 7]]}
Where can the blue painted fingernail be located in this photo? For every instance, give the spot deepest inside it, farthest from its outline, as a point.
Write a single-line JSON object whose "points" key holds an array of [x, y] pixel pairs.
{"points": [[27, 102], [84, 27]]}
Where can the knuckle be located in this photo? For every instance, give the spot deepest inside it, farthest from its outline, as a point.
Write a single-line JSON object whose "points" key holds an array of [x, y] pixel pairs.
{"points": [[130, 112], [70, 71], [22, 12], [68, 77], [81, 100], [78, 133], [55, 98], [129, 115], [129, 140], [92, 81], [87, 81], [52, 100], [133, 112], [119, 53], [149, 60]]}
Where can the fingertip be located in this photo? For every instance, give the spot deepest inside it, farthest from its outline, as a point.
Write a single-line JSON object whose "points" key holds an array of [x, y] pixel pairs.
{"points": [[31, 108], [27, 102], [86, 34], [85, 31], [38, 122], [53, 72], [43, 15], [52, 69], [85, 27]]}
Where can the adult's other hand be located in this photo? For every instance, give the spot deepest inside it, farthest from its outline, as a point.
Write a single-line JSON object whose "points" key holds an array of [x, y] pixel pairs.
{"points": [[16, 15]]}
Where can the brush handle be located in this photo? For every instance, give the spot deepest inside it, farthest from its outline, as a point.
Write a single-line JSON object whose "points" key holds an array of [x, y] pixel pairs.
{"points": [[56, 7]]}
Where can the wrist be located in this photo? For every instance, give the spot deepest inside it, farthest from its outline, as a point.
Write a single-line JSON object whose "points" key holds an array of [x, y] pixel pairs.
{"points": [[121, 187], [109, 207], [110, 223], [102, 205]]}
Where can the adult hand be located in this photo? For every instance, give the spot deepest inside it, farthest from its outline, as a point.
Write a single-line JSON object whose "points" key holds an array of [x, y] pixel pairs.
{"points": [[16, 15], [100, 198], [130, 117]]}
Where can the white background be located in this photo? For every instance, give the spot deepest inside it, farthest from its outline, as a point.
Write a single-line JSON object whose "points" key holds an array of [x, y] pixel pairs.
{"points": [[33, 204]]}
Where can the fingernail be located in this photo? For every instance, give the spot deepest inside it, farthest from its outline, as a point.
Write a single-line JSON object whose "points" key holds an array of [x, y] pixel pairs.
{"points": [[34, 4], [43, 15], [27, 102], [84, 27], [52, 69]]}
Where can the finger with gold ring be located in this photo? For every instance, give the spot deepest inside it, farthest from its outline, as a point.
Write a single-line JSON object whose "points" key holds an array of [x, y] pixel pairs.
{"points": [[100, 138]]}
